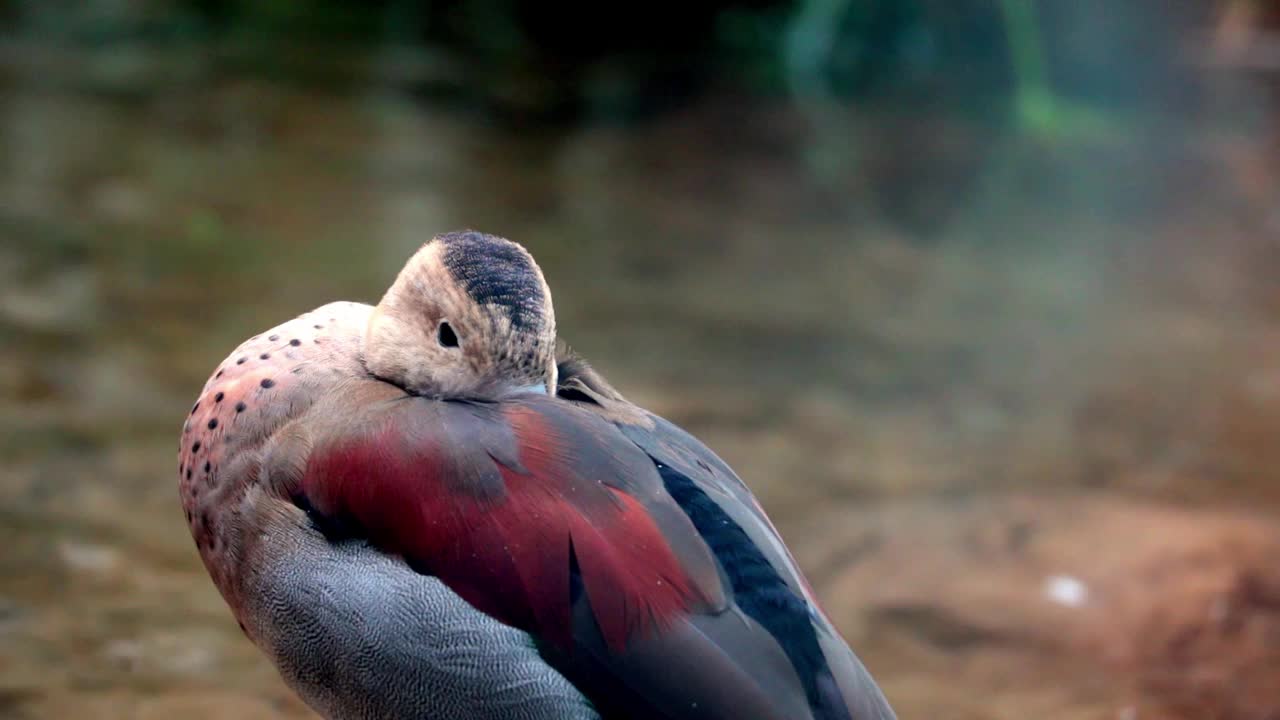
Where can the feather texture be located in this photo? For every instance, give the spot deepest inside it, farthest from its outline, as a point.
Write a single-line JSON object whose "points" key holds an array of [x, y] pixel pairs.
{"points": [[573, 547], [494, 500]]}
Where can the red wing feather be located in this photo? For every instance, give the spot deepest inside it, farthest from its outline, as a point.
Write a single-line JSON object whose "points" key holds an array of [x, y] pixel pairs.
{"points": [[422, 483]]}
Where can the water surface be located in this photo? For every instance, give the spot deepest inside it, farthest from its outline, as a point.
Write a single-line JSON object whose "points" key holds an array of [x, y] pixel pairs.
{"points": [[1023, 442]]}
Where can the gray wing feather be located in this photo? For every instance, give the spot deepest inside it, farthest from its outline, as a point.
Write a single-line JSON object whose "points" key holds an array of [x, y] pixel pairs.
{"points": [[360, 636]]}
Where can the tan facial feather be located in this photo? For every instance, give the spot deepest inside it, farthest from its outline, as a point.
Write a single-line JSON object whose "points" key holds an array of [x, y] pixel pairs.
{"points": [[493, 356]]}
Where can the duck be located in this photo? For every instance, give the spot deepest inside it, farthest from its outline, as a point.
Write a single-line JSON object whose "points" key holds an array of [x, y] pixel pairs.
{"points": [[432, 507]]}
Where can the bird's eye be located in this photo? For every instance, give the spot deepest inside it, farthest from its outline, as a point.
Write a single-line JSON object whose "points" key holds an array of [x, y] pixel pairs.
{"points": [[446, 336]]}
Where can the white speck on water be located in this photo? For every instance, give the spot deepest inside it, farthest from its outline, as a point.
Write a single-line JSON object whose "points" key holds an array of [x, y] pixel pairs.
{"points": [[1066, 590], [125, 653], [84, 557], [166, 653]]}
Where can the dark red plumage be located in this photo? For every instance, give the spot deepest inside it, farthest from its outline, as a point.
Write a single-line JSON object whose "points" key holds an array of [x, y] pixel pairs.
{"points": [[494, 502]]}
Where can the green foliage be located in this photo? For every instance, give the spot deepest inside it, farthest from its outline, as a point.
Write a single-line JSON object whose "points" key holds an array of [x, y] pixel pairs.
{"points": [[965, 55]]}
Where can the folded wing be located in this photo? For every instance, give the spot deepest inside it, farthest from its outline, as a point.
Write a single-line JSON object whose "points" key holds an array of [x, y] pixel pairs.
{"points": [[763, 580], [546, 516]]}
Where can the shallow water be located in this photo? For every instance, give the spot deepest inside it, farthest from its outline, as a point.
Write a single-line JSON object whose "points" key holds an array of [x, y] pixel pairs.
{"points": [[1024, 447]]}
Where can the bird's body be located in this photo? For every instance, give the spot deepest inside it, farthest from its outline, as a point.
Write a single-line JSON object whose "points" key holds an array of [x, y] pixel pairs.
{"points": [[417, 510]]}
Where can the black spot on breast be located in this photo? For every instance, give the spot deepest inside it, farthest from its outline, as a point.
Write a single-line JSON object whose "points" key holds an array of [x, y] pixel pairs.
{"points": [[241, 361], [295, 342], [318, 327], [218, 374], [188, 473], [497, 272], [195, 407], [267, 383], [240, 406], [264, 356], [218, 398], [195, 447], [213, 423], [207, 465], [273, 338]]}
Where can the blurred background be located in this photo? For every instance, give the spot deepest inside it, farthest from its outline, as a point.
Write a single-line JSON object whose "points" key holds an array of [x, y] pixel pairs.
{"points": [[982, 297]]}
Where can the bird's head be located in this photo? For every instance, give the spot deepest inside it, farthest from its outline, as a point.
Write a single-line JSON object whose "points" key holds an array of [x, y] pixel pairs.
{"points": [[469, 316]]}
